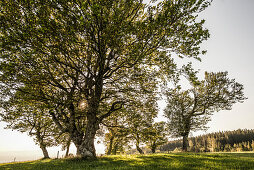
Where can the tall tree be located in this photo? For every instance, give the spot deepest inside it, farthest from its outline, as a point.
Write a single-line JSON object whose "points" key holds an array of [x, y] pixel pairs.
{"points": [[189, 110], [93, 54]]}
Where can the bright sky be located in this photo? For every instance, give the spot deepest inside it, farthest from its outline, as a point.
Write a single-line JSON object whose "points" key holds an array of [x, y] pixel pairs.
{"points": [[230, 48]]}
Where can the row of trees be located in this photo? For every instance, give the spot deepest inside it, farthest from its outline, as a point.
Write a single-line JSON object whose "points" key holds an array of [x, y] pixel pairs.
{"points": [[135, 124], [228, 141], [186, 110], [68, 69]]}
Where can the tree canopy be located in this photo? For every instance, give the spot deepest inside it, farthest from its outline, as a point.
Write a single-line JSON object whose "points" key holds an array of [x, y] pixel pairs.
{"points": [[98, 54], [190, 110]]}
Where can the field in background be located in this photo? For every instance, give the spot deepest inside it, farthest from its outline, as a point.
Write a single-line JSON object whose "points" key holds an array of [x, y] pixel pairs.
{"points": [[153, 161]]}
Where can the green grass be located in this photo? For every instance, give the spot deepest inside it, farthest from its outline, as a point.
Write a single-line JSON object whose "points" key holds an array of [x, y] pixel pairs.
{"points": [[153, 161]]}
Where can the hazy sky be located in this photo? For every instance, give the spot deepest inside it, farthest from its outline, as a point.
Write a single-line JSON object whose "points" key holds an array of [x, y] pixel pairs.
{"points": [[230, 48]]}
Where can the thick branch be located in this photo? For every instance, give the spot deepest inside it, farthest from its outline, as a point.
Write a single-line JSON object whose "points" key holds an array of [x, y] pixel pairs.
{"points": [[57, 122], [115, 106]]}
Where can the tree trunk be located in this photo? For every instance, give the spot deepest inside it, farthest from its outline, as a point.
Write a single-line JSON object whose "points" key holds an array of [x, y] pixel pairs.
{"points": [[115, 148], [44, 151], [185, 143], [110, 146], [77, 139], [68, 147], [139, 149], [153, 146], [87, 150], [42, 145], [153, 149]]}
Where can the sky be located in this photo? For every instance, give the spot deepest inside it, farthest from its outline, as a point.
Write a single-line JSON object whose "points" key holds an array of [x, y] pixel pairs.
{"points": [[230, 48]]}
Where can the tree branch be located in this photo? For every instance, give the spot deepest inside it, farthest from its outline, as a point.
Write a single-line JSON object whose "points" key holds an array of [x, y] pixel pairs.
{"points": [[114, 107]]}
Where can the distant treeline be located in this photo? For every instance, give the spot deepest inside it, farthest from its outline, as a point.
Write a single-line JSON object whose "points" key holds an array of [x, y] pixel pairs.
{"points": [[227, 141]]}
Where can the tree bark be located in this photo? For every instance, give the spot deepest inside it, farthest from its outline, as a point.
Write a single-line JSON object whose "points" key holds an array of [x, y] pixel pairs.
{"points": [[153, 149], [185, 143], [110, 146], [68, 147], [44, 151], [86, 149], [139, 149], [39, 138], [114, 150], [77, 139]]}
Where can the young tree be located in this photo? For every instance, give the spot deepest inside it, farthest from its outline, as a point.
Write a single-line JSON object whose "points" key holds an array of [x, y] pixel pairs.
{"points": [[65, 141], [137, 131], [130, 124], [94, 54], [116, 139], [189, 110], [155, 135]]}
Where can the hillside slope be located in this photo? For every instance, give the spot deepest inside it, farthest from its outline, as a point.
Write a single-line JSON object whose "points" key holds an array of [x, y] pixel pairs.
{"points": [[153, 161]]}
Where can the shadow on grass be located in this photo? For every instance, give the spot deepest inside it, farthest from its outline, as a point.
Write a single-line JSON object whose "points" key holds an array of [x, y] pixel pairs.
{"points": [[239, 154], [154, 161]]}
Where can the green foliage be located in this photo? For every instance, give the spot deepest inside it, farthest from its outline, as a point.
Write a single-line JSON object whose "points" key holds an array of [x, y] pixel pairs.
{"points": [[106, 53], [154, 161], [129, 126], [32, 118], [190, 110], [155, 135]]}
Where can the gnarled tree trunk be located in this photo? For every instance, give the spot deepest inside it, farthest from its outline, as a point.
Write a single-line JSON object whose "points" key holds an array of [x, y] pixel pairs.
{"points": [[115, 148], [137, 145], [153, 149], [44, 151], [39, 138], [86, 148]]}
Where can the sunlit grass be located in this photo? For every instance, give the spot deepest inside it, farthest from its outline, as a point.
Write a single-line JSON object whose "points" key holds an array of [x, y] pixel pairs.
{"points": [[152, 161]]}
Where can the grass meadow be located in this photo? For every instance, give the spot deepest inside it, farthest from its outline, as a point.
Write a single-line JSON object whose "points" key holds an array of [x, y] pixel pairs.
{"points": [[151, 161]]}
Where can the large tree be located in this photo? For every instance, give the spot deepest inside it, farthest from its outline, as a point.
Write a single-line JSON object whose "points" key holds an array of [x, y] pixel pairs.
{"points": [[83, 59], [190, 110]]}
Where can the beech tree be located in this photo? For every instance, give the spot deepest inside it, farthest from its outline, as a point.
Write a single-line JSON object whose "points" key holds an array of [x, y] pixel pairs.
{"points": [[190, 110], [116, 136], [155, 135], [83, 59], [129, 125], [116, 140], [33, 120], [65, 141]]}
